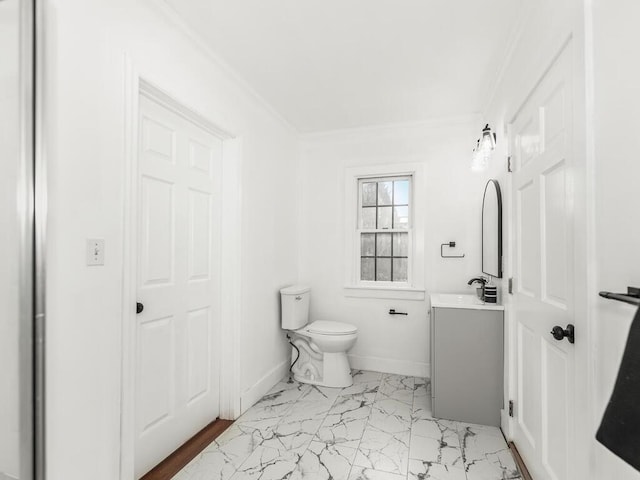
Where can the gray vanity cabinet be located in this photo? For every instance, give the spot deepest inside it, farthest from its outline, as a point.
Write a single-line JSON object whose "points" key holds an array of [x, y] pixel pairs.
{"points": [[467, 364]]}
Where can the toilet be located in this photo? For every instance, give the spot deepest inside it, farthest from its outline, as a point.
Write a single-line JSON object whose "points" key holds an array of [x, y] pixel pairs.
{"points": [[319, 354]]}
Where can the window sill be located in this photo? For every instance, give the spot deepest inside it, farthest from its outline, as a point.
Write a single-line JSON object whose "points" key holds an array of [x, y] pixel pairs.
{"points": [[393, 293]]}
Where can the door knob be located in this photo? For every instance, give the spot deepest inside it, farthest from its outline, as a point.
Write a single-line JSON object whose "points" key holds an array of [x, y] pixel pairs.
{"points": [[559, 333], [139, 307]]}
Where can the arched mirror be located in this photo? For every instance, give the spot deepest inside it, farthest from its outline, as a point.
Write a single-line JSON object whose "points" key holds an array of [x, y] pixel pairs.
{"points": [[492, 230]]}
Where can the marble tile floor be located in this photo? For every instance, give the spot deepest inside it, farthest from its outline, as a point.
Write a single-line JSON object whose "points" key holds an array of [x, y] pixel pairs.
{"points": [[381, 428]]}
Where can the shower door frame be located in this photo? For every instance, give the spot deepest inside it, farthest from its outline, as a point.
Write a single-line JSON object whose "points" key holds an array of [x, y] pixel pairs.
{"points": [[31, 215]]}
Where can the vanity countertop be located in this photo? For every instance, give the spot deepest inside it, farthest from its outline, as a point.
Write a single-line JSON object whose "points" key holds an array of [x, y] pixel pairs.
{"points": [[461, 300]]}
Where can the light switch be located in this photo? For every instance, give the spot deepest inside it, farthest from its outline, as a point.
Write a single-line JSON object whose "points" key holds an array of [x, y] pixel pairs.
{"points": [[95, 251]]}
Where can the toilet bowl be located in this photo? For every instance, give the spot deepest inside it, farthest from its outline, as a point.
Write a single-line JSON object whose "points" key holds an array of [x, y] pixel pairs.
{"points": [[332, 340], [320, 349]]}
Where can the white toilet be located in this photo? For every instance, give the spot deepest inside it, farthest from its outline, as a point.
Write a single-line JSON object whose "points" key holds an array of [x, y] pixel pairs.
{"points": [[322, 344]]}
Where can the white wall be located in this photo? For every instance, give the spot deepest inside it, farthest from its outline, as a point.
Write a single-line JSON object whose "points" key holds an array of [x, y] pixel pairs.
{"points": [[9, 239], [616, 145], [452, 212], [84, 103]]}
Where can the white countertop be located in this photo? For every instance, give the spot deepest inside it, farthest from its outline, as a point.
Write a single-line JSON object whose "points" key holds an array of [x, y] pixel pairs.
{"points": [[461, 300]]}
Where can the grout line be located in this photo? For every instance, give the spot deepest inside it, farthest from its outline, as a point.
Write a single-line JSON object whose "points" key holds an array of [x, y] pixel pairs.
{"points": [[353, 463], [269, 429]]}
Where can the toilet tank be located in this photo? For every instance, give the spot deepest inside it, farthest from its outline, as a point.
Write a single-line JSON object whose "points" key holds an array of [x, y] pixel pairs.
{"points": [[294, 301]]}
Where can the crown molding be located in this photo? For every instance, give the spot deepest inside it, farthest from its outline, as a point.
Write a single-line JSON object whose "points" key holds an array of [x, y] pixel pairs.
{"points": [[512, 43], [178, 21], [427, 124]]}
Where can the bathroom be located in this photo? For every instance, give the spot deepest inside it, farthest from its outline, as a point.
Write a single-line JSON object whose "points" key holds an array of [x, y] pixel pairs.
{"points": [[292, 138]]}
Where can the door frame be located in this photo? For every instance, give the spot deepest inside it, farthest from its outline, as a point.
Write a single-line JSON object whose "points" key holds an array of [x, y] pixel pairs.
{"points": [[230, 260]]}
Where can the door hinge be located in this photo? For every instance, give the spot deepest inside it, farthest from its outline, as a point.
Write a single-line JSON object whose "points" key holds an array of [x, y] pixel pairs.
{"points": [[509, 169], [511, 286], [511, 408]]}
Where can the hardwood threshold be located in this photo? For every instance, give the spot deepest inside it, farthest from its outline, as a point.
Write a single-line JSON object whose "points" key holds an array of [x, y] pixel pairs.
{"points": [[520, 462], [175, 462]]}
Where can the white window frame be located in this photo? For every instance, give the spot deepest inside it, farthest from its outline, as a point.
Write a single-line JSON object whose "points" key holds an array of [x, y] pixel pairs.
{"points": [[413, 289]]}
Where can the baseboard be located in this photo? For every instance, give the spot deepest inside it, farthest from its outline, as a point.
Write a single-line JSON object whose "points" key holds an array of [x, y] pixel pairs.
{"points": [[250, 396], [505, 424], [390, 365]]}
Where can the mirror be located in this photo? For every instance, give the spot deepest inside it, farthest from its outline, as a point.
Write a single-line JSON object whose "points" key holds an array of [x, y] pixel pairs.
{"points": [[17, 380], [492, 230]]}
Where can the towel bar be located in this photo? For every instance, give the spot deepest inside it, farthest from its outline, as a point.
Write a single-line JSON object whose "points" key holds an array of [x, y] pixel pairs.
{"points": [[632, 296], [450, 245]]}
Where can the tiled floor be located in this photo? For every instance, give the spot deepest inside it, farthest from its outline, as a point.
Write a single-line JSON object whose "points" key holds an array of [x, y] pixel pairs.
{"points": [[380, 428]]}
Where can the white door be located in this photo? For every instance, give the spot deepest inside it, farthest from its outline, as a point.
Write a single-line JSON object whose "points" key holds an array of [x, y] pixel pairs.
{"points": [[544, 293], [178, 220]]}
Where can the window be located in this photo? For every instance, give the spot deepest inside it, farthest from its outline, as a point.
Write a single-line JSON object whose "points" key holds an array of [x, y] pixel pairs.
{"points": [[385, 231], [384, 228]]}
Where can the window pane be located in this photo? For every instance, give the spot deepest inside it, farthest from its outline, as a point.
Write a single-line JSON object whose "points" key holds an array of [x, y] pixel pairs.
{"points": [[401, 192], [368, 217], [400, 266], [384, 217], [385, 190], [400, 244], [400, 217], [383, 273], [369, 193], [367, 269], [384, 245], [368, 244]]}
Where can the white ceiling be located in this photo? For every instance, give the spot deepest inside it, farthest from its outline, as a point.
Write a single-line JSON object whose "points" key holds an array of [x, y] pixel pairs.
{"points": [[333, 64]]}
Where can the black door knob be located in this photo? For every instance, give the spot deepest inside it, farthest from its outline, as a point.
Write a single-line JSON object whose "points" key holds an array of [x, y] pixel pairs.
{"points": [[139, 307], [559, 333]]}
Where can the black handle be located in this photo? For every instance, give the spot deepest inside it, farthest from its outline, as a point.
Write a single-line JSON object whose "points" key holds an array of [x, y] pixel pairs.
{"points": [[392, 311], [139, 307], [632, 296], [560, 333]]}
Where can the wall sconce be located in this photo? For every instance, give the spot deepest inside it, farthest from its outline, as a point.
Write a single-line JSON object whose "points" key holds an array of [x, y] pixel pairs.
{"points": [[485, 145]]}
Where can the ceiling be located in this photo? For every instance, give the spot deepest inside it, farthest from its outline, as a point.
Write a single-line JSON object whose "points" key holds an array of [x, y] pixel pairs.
{"points": [[334, 64]]}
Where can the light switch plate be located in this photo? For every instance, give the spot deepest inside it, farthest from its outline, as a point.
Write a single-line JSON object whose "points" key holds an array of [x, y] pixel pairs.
{"points": [[95, 251]]}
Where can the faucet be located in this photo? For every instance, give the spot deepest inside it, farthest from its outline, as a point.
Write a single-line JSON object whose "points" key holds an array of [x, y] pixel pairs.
{"points": [[480, 290]]}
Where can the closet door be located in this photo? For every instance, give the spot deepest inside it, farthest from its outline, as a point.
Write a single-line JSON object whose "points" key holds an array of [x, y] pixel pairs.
{"points": [[178, 284]]}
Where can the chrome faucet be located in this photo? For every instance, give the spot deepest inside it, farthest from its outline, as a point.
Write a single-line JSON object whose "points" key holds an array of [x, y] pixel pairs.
{"points": [[480, 290]]}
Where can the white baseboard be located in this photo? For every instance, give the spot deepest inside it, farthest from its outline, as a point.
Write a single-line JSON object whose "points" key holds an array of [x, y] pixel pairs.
{"points": [[389, 365], [506, 424], [250, 396]]}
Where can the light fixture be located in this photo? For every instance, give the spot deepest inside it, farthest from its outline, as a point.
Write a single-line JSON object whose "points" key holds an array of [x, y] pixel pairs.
{"points": [[484, 146], [478, 160], [488, 140]]}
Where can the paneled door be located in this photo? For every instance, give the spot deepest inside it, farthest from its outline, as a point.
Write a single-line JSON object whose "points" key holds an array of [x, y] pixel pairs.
{"points": [[541, 142], [178, 257]]}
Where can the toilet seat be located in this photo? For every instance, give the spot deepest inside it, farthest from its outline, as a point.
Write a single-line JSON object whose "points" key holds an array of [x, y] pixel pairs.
{"points": [[326, 327]]}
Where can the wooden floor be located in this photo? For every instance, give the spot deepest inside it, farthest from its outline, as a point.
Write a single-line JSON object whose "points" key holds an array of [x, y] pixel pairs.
{"points": [[521, 466], [187, 452]]}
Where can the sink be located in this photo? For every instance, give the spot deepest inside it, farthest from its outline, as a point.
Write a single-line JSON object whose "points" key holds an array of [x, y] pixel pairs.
{"points": [[461, 300]]}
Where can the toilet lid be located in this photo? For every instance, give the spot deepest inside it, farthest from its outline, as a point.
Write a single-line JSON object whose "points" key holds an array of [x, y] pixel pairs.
{"points": [[333, 328]]}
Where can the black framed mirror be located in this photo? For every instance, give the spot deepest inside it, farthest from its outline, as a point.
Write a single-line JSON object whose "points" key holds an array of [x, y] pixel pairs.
{"points": [[492, 230]]}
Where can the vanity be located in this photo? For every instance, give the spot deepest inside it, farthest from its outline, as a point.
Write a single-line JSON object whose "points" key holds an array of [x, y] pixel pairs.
{"points": [[467, 353]]}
